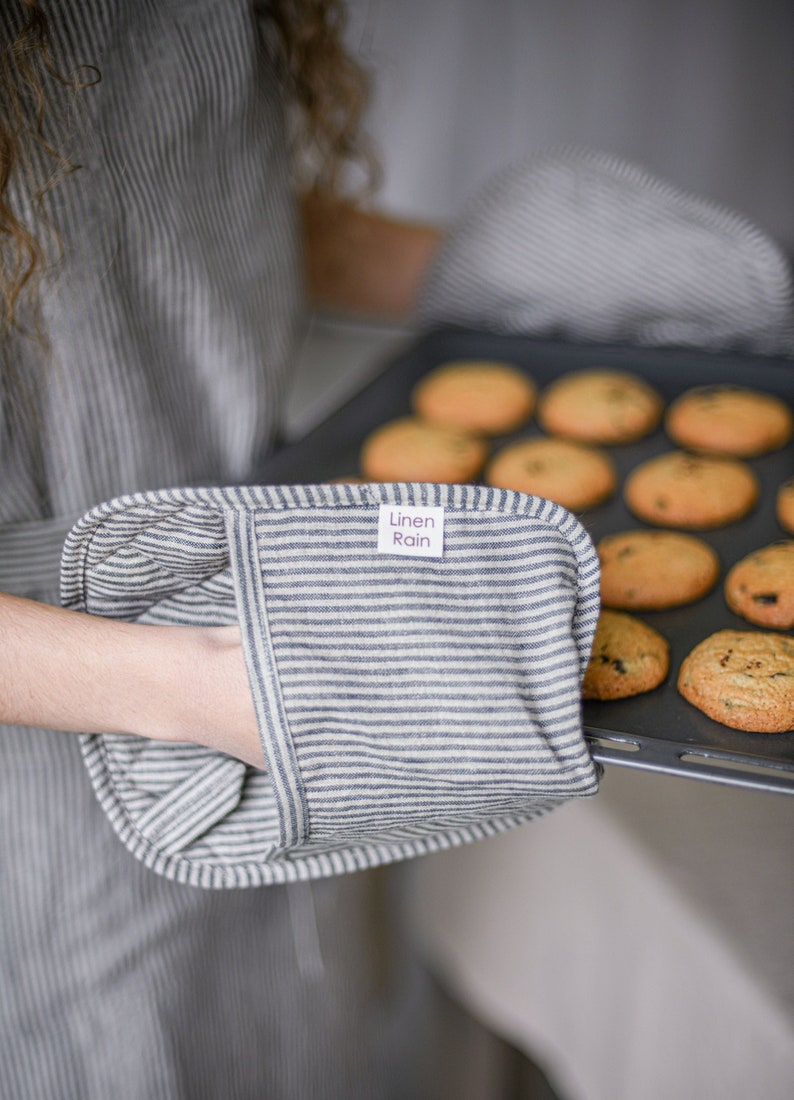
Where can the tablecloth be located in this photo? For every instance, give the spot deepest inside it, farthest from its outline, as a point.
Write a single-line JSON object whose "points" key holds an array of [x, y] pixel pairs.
{"points": [[674, 900]]}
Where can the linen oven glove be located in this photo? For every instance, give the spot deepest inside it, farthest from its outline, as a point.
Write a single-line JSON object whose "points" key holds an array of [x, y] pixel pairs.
{"points": [[584, 246], [405, 703]]}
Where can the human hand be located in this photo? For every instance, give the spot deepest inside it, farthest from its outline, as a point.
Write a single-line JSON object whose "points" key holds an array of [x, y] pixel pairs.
{"points": [[71, 671]]}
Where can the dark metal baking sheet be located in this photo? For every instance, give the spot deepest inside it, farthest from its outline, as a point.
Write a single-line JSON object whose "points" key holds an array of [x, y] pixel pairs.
{"points": [[657, 731]]}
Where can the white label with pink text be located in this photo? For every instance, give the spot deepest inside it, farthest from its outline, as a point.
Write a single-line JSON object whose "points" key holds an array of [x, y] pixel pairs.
{"points": [[413, 530]]}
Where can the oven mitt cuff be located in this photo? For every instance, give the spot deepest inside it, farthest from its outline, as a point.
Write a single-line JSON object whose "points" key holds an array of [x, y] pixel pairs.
{"points": [[584, 246], [405, 703]]}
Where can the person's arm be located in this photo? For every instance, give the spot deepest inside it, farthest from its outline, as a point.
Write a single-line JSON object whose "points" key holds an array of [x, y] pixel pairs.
{"points": [[71, 671], [363, 264]]}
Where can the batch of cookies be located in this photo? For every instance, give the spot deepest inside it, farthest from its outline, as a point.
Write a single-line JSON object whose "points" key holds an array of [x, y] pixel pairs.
{"points": [[741, 678]]}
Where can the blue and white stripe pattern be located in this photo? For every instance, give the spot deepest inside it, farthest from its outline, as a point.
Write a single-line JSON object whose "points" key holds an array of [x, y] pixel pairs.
{"points": [[586, 246], [404, 704], [171, 320]]}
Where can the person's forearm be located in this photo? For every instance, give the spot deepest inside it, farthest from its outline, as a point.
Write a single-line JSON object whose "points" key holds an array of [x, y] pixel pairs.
{"points": [[65, 670], [363, 264]]}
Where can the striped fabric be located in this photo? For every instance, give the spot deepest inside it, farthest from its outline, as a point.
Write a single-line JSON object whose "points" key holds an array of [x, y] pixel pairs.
{"points": [[169, 320], [30, 556], [404, 704], [171, 316], [586, 246]]}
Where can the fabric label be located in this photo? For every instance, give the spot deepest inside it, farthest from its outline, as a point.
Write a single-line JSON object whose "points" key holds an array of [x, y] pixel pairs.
{"points": [[416, 531]]}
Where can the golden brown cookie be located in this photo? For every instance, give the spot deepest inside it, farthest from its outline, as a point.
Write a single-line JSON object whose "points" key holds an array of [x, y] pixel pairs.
{"points": [[760, 587], [476, 396], [744, 679], [729, 420], [628, 658], [651, 570], [600, 406], [412, 450], [696, 492], [572, 474], [784, 505]]}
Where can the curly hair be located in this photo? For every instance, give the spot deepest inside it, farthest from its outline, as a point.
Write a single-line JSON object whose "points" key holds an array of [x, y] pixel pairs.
{"points": [[326, 89], [329, 90], [23, 109]]}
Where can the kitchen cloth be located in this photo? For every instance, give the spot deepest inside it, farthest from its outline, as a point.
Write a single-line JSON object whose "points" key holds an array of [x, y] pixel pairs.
{"points": [[582, 245], [405, 704]]}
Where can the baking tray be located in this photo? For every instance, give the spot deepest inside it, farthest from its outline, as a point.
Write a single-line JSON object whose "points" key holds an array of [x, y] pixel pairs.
{"points": [[658, 731]]}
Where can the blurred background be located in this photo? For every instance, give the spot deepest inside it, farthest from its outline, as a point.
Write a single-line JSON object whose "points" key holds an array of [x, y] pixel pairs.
{"points": [[700, 92]]}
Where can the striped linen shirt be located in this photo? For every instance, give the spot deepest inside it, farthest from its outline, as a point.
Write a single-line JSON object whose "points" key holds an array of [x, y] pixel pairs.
{"points": [[171, 314], [405, 704], [169, 320]]}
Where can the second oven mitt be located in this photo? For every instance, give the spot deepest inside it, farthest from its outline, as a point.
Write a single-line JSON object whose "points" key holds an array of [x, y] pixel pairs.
{"points": [[415, 654], [588, 247]]}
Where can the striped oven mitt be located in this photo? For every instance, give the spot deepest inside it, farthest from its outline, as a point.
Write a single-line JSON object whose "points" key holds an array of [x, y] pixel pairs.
{"points": [[585, 246], [415, 654]]}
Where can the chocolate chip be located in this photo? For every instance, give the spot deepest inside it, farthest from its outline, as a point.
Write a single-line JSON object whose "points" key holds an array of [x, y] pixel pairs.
{"points": [[765, 598]]}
